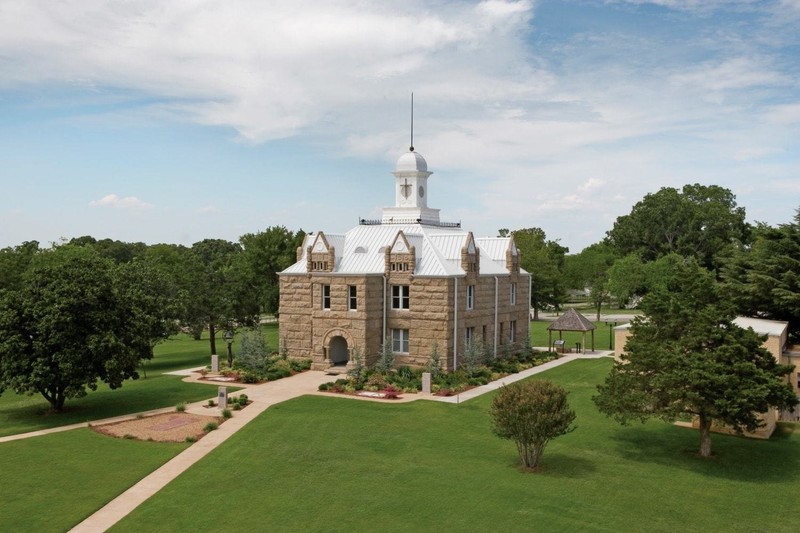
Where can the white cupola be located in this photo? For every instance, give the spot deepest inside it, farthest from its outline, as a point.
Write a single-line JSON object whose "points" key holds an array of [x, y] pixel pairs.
{"points": [[411, 192]]}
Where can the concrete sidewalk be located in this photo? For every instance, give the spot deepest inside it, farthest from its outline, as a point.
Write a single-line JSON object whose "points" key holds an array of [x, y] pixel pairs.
{"points": [[263, 396]]}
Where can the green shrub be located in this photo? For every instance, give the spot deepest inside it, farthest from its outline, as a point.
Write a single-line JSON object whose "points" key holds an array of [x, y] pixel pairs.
{"points": [[211, 426], [211, 403], [226, 414], [250, 377], [181, 407], [325, 386], [531, 413], [191, 438], [299, 365]]}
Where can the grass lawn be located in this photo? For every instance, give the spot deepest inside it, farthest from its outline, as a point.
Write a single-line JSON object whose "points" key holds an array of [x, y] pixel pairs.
{"points": [[22, 413], [320, 464], [53, 482]]}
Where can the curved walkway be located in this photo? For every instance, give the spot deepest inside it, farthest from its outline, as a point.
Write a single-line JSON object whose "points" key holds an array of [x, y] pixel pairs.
{"points": [[263, 396]]}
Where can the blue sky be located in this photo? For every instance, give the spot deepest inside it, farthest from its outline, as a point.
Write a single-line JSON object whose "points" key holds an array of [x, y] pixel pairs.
{"points": [[177, 121]]}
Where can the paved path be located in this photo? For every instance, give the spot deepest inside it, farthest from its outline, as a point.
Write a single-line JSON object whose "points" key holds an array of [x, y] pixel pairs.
{"points": [[263, 396]]}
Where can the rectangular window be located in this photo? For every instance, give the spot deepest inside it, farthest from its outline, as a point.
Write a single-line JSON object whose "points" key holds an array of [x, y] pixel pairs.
{"points": [[513, 294], [483, 337], [400, 340], [500, 333], [352, 301], [512, 331], [470, 296], [400, 299], [326, 297], [469, 336]]}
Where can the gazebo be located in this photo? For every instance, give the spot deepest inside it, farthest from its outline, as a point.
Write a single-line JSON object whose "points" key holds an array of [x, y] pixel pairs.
{"points": [[571, 320]]}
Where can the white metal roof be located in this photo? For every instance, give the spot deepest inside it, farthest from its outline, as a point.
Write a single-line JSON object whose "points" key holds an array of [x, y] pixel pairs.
{"points": [[761, 326], [437, 250]]}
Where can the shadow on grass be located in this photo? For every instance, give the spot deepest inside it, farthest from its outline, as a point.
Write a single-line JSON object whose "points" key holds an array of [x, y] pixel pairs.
{"points": [[562, 465], [735, 458]]}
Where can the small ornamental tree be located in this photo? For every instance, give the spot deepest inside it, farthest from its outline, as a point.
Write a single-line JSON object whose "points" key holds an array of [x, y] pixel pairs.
{"points": [[531, 413], [385, 358], [435, 363], [253, 355], [358, 370]]}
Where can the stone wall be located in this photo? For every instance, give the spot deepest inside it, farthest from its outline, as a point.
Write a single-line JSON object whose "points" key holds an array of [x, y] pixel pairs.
{"points": [[307, 328]]}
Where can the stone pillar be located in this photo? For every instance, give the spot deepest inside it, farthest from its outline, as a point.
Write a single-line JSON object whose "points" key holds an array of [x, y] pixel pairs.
{"points": [[426, 382], [222, 397], [215, 363]]}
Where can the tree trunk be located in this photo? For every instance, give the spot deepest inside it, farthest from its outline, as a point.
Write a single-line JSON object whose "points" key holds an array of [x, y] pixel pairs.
{"points": [[536, 313], [705, 436], [212, 337]]}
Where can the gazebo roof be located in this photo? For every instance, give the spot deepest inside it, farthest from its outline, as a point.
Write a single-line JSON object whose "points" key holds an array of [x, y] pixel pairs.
{"points": [[571, 320]]}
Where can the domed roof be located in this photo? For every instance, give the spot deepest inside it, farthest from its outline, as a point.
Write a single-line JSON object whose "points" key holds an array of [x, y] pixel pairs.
{"points": [[411, 162]]}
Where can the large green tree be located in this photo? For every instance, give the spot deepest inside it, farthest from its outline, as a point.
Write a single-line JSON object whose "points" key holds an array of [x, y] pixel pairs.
{"points": [[543, 259], [687, 357], [589, 269], [266, 253], [224, 293], [154, 300], [764, 280], [14, 262], [67, 327], [627, 278], [701, 221]]}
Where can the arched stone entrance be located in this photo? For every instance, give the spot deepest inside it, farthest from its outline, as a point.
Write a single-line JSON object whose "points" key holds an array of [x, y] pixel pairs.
{"points": [[337, 345], [338, 352]]}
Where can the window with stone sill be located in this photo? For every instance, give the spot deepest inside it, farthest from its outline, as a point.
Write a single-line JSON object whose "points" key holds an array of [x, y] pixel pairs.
{"points": [[513, 297], [400, 341], [352, 299], [326, 297], [400, 297], [470, 296]]}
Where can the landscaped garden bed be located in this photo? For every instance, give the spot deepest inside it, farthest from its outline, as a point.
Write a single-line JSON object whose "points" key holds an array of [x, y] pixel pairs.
{"points": [[478, 368], [165, 427]]}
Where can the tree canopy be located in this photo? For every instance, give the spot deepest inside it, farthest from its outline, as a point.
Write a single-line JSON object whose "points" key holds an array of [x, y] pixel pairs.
{"points": [[267, 253], [544, 260], [590, 269], [687, 357], [701, 221], [67, 326], [764, 280]]}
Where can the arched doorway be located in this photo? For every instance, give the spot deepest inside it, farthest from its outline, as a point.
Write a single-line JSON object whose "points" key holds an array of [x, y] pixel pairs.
{"points": [[338, 352]]}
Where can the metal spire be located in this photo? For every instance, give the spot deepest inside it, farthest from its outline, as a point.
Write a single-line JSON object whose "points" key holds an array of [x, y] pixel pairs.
{"points": [[411, 148]]}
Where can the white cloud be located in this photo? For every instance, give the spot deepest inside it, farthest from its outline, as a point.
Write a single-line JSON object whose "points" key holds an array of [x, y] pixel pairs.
{"points": [[127, 202], [731, 74], [269, 69]]}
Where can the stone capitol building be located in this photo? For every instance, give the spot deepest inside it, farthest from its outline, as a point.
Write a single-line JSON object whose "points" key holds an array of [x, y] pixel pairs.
{"points": [[407, 280]]}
